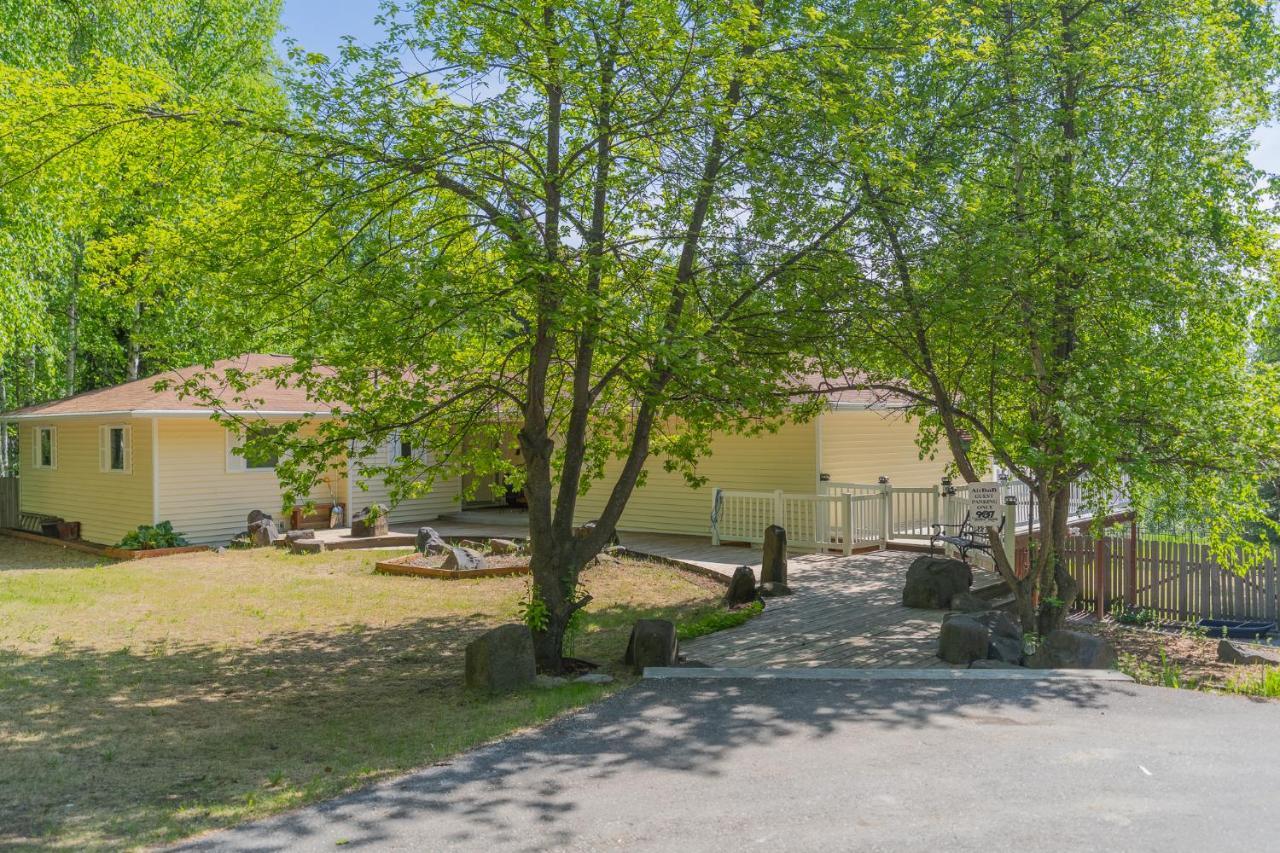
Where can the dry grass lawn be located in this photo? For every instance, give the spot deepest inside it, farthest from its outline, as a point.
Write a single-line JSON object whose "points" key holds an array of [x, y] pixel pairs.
{"points": [[145, 701]]}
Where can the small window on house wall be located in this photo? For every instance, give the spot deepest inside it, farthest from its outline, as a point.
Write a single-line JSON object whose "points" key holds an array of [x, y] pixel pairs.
{"points": [[242, 458], [46, 447], [115, 449]]}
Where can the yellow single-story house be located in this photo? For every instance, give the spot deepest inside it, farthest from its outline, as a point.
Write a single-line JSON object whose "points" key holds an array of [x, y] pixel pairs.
{"points": [[119, 457], [116, 458]]}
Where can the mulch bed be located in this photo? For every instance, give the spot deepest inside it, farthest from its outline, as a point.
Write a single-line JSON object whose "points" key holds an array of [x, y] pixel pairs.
{"points": [[1194, 657]]}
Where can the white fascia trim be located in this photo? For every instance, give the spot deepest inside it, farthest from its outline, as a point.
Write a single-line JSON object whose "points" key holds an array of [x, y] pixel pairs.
{"points": [[169, 413]]}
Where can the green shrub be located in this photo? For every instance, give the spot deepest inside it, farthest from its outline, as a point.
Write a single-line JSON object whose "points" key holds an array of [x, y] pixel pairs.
{"points": [[148, 537], [711, 621]]}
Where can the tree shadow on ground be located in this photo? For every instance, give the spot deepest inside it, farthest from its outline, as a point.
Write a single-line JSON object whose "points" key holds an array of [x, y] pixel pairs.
{"points": [[146, 744], [519, 793]]}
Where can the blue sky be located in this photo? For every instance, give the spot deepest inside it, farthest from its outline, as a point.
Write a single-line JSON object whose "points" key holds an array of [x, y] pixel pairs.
{"points": [[319, 25]]}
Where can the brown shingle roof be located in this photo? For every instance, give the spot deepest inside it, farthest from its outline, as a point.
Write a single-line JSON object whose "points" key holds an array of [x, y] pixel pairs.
{"points": [[141, 396]]}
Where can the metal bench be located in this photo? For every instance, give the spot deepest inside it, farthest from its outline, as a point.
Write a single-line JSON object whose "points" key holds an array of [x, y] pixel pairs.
{"points": [[966, 538], [34, 522]]}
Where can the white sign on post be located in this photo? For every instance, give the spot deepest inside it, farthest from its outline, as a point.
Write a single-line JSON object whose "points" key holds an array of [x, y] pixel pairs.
{"points": [[985, 508]]}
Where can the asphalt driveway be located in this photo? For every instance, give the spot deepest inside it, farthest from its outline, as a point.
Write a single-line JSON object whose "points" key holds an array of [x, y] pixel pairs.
{"points": [[836, 765]]}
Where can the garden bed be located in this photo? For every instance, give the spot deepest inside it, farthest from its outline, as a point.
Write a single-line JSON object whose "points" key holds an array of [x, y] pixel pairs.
{"points": [[423, 566], [104, 550]]}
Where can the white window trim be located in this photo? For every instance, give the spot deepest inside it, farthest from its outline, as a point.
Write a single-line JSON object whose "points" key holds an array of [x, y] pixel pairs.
{"points": [[53, 448], [104, 449], [236, 463], [392, 450]]}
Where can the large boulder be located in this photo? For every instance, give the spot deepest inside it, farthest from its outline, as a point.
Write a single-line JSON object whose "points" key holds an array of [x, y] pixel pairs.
{"points": [[773, 568], [1063, 649], [263, 533], [963, 640], [428, 541], [742, 587], [256, 515], [1000, 624], [456, 559], [967, 602], [1229, 652], [933, 581], [653, 643], [501, 660]]}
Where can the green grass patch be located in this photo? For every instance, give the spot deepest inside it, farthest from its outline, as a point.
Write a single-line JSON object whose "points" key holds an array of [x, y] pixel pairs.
{"points": [[717, 619], [145, 701], [1264, 682]]}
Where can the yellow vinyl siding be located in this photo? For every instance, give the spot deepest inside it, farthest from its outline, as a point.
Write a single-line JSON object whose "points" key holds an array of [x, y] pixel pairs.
{"points": [[207, 503], [108, 504], [784, 460], [443, 498], [859, 446]]}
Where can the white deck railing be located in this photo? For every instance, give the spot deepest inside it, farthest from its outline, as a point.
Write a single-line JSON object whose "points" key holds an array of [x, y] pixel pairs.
{"points": [[845, 516]]}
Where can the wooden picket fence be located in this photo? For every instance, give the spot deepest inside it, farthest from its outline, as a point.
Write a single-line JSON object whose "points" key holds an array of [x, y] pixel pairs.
{"points": [[8, 501], [1177, 580]]}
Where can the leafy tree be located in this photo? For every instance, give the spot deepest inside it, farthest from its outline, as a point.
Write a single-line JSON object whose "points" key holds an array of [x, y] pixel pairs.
{"points": [[586, 231], [85, 303], [1066, 280]]}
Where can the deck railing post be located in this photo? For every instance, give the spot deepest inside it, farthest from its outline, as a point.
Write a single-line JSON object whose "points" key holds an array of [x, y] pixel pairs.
{"points": [[848, 524], [886, 512], [715, 515]]}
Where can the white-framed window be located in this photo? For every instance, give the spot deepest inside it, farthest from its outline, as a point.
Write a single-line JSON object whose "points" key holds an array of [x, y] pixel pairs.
{"points": [[239, 460], [115, 449], [399, 447], [44, 445]]}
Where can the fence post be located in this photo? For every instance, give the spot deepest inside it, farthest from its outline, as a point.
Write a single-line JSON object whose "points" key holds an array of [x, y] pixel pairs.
{"points": [[937, 507], [779, 509], [1100, 577], [715, 516], [1131, 566], [848, 524]]}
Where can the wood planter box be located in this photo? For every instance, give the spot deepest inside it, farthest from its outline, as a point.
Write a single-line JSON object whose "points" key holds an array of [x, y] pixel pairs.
{"points": [[104, 550], [404, 566]]}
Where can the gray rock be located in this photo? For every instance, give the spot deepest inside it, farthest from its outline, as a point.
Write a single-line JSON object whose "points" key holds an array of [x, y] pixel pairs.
{"points": [[653, 643], [1063, 649], [263, 533], [932, 581], [967, 602], [256, 515], [501, 660], [773, 567], [1005, 649], [545, 681], [1230, 652], [963, 639], [773, 589], [742, 587], [503, 546], [463, 558], [428, 541], [993, 664], [594, 678], [221, 549], [1000, 624]]}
